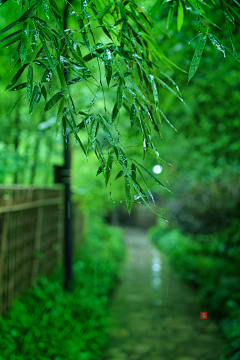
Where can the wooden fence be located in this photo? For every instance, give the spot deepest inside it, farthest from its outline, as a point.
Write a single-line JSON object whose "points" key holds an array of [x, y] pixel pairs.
{"points": [[31, 237]]}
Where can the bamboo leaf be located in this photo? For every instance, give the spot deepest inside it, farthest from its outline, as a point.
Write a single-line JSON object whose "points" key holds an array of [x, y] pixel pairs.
{"points": [[53, 101], [19, 87], [34, 39], [120, 94], [154, 88], [36, 96], [216, 43], [153, 177], [11, 36], [107, 58], [60, 114], [197, 57], [16, 77], [14, 105], [180, 16], [24, 42], [29, 84], [128, 193], [119, 174], [133, 114], [30, 11], [9, 27], [44, 92], [47, 53], [109, 168]]}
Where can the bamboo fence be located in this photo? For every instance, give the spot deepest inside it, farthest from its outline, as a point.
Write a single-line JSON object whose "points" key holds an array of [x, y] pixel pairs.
{"points": [[31, 237]]}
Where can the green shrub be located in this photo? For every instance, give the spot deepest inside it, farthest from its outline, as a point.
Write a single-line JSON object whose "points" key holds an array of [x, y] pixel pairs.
{"points": [[49, 323]]}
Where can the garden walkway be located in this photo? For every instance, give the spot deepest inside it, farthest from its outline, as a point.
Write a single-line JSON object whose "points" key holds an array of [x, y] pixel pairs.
{"points": [[154, 315]]}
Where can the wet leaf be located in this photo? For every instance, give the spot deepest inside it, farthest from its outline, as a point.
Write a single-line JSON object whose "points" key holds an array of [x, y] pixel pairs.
{"points": [[216, 43], [36, 96], [47, 75], [14, 105], [108, 168], [53, 101], [16, 77], [60, 114], [128, 193], [134, 174], [133, 114], [9, 27], [44, 92], [30, 11], [12, 41], [11, 36], [29, 84], [119, 174], [107, 58], [34, 39], [153, 177], [120, 94], [154, 88], [45, 47], [19, 87], [197, 57]]}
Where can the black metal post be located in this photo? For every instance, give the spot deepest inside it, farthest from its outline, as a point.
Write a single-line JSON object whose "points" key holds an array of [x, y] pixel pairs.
{"points": [[68, 282]]}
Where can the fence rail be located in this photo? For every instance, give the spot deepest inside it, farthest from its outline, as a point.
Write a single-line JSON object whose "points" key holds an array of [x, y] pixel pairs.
{"points": [[31, 237]]}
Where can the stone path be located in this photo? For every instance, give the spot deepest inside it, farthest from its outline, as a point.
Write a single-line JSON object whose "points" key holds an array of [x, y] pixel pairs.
{"points": [[155, 316]]}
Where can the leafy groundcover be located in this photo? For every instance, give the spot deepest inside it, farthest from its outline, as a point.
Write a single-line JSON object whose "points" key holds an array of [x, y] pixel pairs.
{"points": [[49, 323], [211, 264]]}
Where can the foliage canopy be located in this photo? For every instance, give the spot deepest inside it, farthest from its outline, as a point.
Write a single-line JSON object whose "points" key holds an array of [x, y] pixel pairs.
{"points": [[116, 38]]}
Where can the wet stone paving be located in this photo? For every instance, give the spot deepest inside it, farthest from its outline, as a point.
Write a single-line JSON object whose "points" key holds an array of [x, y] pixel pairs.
{"points": [[153, 314]]}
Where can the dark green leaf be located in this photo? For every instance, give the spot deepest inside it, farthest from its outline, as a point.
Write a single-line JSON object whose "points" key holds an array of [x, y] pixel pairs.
{"points": [[45, 47], [100, 169], [108, 64], [16, 53], [119, 174], [44, 92], [53, 101], [24, 42], [197, 57], [60, 114], [114, 112], [154, 87], [120, 94], [133, 114], [216, 43], [34, 39], [134, 175], [11, 36], [36, 96], [40, 64], [153, 177], [12, 41], [47, 75], [9, 27], [19, 87], [16, 77], [109, 168], [29, 84], [14, 105], [30, 11], [39, 21], [128, 193]]}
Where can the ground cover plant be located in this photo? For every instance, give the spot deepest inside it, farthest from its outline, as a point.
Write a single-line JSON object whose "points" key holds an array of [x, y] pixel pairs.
{"points": [[49, 323], [210, 263]]}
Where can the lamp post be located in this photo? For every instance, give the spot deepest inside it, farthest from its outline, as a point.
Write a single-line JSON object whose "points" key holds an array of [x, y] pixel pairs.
{"points": [[68, 282]]}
